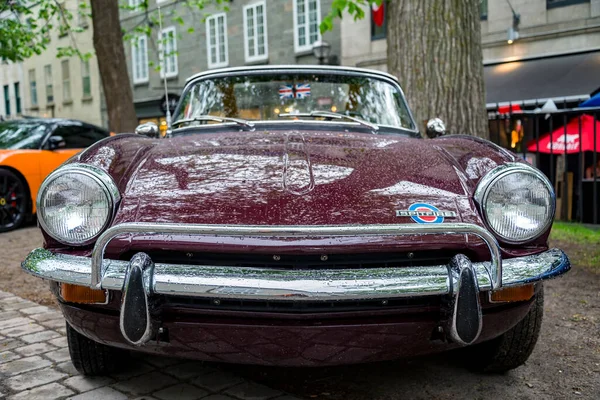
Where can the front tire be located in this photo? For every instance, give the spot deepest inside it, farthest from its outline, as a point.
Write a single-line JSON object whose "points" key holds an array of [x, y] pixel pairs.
{"points": [[92, 358], [514, 347]]}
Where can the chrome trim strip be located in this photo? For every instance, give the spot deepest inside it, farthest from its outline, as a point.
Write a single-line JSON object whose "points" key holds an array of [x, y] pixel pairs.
{"points": [[285, 231], [294, 285]]}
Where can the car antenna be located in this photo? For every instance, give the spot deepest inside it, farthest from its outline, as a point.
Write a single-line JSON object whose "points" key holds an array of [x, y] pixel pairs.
{"points": [[164, 73]]}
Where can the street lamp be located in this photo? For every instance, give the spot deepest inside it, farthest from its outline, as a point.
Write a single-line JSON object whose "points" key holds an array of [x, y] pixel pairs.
{"points": [[513, 31], [321, 50]]}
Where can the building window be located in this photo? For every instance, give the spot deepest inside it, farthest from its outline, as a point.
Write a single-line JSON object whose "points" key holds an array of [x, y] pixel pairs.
{"points": [[255, 32], [168, 39], [563, 3], [85, 79], [483, 9], [216, 41], [82, 14], [378, 21], [139, 59], [17, 98], [6, 100], [66, 80], [307, 17], [48, 82], [33, 88]]}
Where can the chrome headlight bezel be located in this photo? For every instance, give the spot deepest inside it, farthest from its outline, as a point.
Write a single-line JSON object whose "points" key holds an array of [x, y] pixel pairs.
{"points": [[486, 183], [102, 178]]}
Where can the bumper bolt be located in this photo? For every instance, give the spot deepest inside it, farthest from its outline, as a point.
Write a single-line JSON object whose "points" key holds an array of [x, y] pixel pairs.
{"points": [[410, 255], [324, 258], [216, 302], [276, 258], [384, 302]]}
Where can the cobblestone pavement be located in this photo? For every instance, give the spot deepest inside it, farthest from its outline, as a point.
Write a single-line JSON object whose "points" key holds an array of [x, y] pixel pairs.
{"points": [[35, 364]]}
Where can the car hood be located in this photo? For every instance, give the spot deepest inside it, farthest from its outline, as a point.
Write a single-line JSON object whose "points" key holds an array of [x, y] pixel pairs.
{"points": [[293, 177]]}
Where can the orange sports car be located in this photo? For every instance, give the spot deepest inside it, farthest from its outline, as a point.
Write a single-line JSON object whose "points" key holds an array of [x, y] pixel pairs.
{"points": [[29, 150]]}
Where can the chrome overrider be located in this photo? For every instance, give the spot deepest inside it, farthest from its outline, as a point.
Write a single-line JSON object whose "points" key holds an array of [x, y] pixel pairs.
{"points": [[461, 279]]}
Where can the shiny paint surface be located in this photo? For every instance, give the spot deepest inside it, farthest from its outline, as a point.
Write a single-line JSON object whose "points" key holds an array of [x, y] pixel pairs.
{"points": [[293, 176], [34, 165], [292, 340]]}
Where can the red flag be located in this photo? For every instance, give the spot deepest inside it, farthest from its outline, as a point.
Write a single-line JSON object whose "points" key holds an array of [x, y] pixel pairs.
{"points": [[378, 13]]}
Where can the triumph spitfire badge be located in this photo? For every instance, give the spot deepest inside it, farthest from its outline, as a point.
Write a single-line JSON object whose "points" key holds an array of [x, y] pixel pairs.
{"points": [[423, 213]]}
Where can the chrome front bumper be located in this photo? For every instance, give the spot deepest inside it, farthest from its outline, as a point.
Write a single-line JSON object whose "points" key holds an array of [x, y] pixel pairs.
{"points": [[297, 285]]}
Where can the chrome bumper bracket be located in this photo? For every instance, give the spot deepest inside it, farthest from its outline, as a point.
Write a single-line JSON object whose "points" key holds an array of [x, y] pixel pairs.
{"points": [[135, 320], [465, 322]]}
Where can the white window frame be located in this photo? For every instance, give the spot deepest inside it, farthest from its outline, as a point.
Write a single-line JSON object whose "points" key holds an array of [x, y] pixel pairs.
{"points": [[307, 47], [135, 46], [218, 64], [172, 57], [67, 93], [256, 56]]}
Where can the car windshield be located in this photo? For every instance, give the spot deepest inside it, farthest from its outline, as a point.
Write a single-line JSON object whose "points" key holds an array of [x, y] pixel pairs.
{"points": [[21, 135], [270, 95]]}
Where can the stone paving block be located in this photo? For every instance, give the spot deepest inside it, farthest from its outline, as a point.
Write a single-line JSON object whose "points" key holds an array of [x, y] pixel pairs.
{"points": [[46, 392], [217, 381], [7, 356], [218, 397], [34, 310], [24, 365], [53, 323], [68, 368], [86, 383], [8, 315], [182, 391], [59, 342], [5, 294], [188, 370], [8, 344], [39, 336], [17, 305], [33, 349], [34, 378], [146, 383], [23, 330], [62, 331], [132, 370], [48, 316], [59, 355], [252, 391], [9, 323], [104, 393], [14, 300]]}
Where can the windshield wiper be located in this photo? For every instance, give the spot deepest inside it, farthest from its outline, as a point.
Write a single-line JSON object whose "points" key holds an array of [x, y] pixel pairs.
{"points": [[333, 115], [238, 121]]}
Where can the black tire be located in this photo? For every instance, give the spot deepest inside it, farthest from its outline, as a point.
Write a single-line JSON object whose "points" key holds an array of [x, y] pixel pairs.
{"points": [[14, 201], [92, 358], [514, 347]]}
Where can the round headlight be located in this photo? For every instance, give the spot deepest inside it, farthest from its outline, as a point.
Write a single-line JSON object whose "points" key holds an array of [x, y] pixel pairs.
{"points": [[517, 202], [76, 203]]}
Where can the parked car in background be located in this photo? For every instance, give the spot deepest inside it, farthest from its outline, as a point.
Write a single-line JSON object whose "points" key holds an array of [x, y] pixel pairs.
{"points": [[295, 216], [30, 149]]}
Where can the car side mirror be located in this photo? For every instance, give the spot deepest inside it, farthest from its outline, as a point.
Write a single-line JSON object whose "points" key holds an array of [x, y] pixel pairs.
{"points": [[435, 128], [149, 129], [56, 142]]}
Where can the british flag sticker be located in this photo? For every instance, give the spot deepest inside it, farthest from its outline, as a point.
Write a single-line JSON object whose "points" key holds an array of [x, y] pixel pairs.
{"points": [[297, 91]]}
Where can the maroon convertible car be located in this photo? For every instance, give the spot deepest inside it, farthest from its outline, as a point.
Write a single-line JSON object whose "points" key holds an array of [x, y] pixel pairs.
{"points": [[295, 216]]}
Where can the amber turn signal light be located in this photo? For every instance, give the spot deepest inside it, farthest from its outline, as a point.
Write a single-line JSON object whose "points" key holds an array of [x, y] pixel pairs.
{"points": [[81, 294], [517, 293]]}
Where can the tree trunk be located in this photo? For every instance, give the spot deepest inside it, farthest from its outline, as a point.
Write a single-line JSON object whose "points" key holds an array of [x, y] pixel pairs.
{"points": [[110, 53], [434, 48]]}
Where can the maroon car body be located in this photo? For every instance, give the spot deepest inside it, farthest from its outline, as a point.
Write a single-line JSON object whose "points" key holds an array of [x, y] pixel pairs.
{"points": [[300, 172]]}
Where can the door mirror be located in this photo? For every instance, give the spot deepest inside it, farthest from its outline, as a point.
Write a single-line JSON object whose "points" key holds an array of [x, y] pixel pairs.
{"points": [[56, 142], [435, 128], [149, 129]]}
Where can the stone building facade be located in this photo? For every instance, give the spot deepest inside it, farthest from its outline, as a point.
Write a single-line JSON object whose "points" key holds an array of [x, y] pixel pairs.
{"points": [[251, 32]]}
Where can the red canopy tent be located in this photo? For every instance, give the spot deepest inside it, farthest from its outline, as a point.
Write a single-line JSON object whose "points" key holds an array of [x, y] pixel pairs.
{"points": [[570, 140]]}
